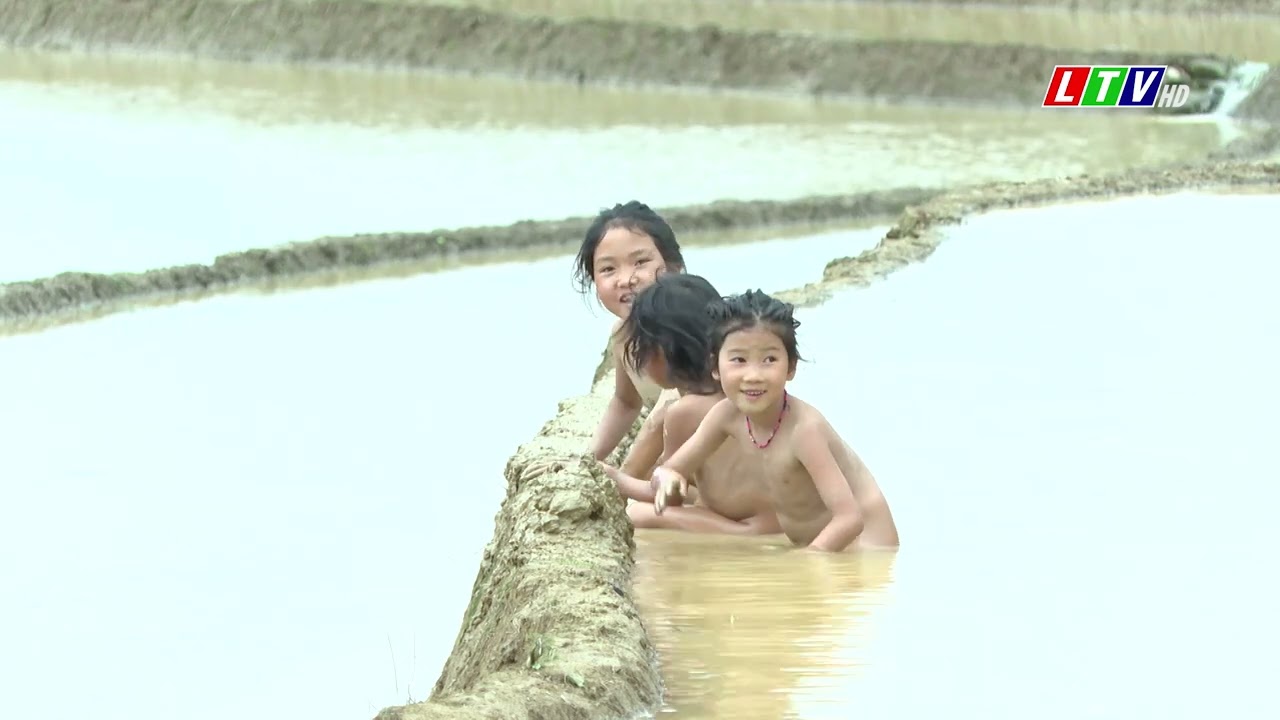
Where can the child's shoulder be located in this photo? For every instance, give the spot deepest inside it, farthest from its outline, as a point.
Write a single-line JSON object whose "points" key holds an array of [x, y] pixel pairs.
{"points": [[615, 337], [691, 406], [694, 408], [807, 418]]}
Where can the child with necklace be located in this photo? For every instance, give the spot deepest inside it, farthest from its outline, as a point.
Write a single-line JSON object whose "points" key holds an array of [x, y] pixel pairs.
{"points": [[667, 337], [824, 496]]}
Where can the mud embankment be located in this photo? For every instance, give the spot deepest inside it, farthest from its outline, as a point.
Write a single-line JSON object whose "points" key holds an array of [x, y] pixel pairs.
{"points": [[74, 295], [915, 236], [468, 40], [552, 630]]}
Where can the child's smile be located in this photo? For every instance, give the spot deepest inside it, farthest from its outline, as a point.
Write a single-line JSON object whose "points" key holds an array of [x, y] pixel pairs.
{"points": [[626, 262], [754, 369]]}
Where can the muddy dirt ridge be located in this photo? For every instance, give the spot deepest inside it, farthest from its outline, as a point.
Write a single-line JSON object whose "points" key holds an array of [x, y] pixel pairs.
{"points": [[37, 302], [76, 296], [915, 235], [472, 41], [552, 630]]}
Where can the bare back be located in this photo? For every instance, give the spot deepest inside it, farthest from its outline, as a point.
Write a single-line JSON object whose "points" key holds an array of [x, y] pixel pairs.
{"points": [[791, 490]]}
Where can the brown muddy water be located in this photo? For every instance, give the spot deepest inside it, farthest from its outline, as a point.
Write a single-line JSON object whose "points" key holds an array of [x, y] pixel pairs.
{"points": [[296, 530], [186, 161]]}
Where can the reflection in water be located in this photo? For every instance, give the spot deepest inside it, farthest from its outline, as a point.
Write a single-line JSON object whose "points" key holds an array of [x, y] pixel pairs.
{"points": [[1233, 35], [745, 628]]}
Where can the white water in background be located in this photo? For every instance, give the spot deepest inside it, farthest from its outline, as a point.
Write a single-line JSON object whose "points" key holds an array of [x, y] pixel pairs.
{"points": [[235, 506], [1244, 79]]}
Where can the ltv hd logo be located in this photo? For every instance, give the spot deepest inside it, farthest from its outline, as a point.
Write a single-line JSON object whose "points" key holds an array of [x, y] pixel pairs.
{"points": [[1135, 86]]}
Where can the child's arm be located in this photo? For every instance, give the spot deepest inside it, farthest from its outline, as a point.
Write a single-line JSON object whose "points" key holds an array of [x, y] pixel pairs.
{"points": [[672, 475], [646, 451], [629, 486], [679, 421], [695, 519], [619, 416], [814, 452]]}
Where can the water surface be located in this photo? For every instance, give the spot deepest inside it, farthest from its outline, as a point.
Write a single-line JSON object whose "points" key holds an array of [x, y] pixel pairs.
{"points": [[1075, 426], [128, 164]]}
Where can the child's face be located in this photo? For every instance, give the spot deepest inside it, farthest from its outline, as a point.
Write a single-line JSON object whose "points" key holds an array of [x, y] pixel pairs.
{"points": [[753, 368], [625, 263]]}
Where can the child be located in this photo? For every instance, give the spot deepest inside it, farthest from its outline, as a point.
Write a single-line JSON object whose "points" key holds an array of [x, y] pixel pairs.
{"points": [[825, 498], [625, 249], [667, 336]]}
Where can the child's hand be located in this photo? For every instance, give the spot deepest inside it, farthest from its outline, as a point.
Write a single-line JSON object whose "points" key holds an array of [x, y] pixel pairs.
{"points": [[612, 473], [669, 488]]}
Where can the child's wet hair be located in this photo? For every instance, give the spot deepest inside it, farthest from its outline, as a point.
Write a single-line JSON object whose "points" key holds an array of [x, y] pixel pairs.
{"points": [[636, 217], [752, 309], [676, 317]]}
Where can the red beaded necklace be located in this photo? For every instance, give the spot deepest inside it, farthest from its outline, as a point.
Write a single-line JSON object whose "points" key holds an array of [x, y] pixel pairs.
{"points": [[776, 425]]}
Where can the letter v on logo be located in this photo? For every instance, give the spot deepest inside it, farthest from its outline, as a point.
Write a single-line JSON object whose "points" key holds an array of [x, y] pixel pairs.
{"points": [[1142, 86]]}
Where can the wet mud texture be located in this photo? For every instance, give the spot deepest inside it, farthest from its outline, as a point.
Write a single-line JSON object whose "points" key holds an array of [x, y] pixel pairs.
{"points": [[915, 235], [27, 304], [552, 630], [467, 40]]}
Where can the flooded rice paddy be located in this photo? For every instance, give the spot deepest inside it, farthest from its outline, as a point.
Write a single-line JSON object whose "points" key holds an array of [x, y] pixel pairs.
{"points": [[258, 505]]}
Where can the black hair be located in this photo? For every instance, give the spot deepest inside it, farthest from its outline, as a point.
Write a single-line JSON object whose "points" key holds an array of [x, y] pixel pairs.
{"points": [[636, 217], [751, 309], [675, 316]]}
